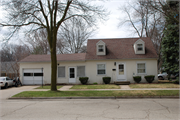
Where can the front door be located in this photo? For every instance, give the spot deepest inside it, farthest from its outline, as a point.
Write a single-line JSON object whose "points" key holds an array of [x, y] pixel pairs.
{"points": [[72, 75], [121, 72]]}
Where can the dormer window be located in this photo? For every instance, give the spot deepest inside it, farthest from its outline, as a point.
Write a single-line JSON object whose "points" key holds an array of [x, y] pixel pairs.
{"points": [[100, 48], [140, 47]]}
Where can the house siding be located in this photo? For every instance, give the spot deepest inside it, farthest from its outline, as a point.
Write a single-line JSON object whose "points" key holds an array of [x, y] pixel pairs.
{"points": [[91, 70], [131, 67]]}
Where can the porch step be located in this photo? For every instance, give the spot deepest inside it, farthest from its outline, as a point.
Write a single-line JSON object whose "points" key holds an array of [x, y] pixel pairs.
{"points": [[122, 83]]}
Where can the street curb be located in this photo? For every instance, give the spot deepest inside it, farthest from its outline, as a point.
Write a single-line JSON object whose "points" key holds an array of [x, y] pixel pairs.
{"points": [[115, 97]]}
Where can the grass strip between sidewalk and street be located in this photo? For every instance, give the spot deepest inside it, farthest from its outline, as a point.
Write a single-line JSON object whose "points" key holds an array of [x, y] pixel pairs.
{"points": [[163, 85], [95, 87], [29, 94], [48, 87]]}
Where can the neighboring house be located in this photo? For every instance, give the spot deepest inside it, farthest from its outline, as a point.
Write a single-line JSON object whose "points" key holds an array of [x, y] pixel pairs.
{"points": [[121, 59], [10, 69]]}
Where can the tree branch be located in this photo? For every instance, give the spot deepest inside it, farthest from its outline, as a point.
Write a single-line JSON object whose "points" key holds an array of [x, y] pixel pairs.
{"points": [[133, 23], [65, 12], [42, 10]]}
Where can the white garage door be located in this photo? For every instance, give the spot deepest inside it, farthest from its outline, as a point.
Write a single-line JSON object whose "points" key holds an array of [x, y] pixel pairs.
{"points": [[32, 76]]}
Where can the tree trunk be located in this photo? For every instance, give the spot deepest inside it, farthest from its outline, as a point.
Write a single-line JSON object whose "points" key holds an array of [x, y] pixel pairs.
{"points": [[53, 69], [53, 60]]}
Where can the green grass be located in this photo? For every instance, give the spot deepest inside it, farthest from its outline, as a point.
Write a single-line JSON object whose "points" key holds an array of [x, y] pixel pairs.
{"points": [[163, 85], [97, 93], [47, 87], [95, 87]]}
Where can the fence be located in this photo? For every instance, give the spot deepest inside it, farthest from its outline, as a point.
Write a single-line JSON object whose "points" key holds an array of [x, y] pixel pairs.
{"points": [[10, 75]]}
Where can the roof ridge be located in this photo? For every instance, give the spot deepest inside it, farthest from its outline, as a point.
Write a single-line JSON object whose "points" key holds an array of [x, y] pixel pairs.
{"points": [[118, 38]]}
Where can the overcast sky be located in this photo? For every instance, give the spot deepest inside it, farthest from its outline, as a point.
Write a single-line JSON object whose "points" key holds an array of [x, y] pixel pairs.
{"points": [[110, 29], [107, 29]]}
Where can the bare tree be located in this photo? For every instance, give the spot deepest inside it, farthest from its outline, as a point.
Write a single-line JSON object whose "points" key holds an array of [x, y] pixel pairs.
{"points": [[49, 14], [75, 33], [146, 21], [83, 49], [38, 41], [13, 52], [142, 18], [166, 7], [11, 55]]}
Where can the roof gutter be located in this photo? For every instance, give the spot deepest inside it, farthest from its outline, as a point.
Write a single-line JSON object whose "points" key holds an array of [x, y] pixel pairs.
{"points": [[50, 61]]}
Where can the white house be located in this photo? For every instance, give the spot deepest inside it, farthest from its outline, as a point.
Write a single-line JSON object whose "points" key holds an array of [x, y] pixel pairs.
{"points": [[120, 59]]}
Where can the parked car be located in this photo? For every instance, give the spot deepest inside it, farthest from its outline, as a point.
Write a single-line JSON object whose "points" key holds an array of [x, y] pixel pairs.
{"points": [[162, 76], [175, 76], [6, 82]]}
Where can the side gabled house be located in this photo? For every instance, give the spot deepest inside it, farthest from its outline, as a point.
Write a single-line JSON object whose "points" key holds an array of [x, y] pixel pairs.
{"points": [[120, 59]]}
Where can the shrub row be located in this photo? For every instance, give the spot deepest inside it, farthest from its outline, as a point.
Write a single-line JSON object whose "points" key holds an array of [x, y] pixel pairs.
{"points": [[149, 78], [84, 80], [107, 80]]}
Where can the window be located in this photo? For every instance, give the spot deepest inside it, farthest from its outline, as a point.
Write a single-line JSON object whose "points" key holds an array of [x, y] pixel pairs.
{"points": [[141, 68], [80, 71], [38, 74], [100, 48], [121, 69], [139, 47], [61, 71], [101, 70], [71, 72], [8, 78], [28, 74]]}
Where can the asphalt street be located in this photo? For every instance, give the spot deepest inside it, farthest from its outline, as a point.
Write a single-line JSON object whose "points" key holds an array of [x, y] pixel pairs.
{"points": [[86, 109]]}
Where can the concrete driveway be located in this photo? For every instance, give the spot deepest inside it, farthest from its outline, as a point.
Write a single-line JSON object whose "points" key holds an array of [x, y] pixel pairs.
{"points": [[6, 93], [88, 109]]}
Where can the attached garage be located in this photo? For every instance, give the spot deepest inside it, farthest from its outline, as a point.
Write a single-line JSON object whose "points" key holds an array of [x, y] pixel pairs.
{"points": [[32, 76]]}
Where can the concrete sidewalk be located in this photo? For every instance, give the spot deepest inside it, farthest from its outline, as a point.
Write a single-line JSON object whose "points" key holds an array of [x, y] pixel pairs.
{"points": [[120, 89], [123, 87], [65, 88]]}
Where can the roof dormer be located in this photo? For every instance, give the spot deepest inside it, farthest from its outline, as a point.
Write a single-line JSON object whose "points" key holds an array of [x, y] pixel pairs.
{"points": [[100, 48], [139, 47]]}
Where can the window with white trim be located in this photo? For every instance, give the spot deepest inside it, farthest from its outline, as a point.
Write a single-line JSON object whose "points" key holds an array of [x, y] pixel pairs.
{"points": [[140, 47], [101, 69], [61, 71], [100, 48], [81, 71], [141, 68]]}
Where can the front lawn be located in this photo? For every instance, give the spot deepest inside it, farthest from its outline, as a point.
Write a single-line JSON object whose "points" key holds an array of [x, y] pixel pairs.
{"points": [[164, 85], [122, 93], [47, 87], [95, 87], [164, 81]]}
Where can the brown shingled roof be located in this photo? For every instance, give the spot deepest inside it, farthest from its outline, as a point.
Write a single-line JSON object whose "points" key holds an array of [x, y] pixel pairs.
{"points": [[121, 48], [60, 57]]}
